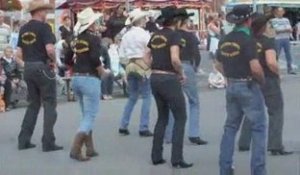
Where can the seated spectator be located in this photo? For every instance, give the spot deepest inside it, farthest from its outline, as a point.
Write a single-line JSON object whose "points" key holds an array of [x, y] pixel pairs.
{"points": [[113, 52], [2, 83], [12, 72], [60, 48], [107, 79]]}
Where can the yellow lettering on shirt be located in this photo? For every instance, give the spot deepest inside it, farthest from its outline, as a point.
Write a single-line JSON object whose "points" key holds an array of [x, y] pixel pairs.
{"points": [[259, 47], [80, 46], [28, 38], [158, 42], [230, 49]]}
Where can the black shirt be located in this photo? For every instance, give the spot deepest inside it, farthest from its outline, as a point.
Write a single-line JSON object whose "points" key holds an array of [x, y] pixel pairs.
{"points": [[11, 69], [264, 44], [160, 44], [87, 48], [65, 33], [33, 38], [190, 50], [235, 52]]}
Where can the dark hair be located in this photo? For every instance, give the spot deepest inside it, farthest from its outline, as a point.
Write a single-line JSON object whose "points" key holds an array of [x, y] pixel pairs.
{"points": [[171, 22]]}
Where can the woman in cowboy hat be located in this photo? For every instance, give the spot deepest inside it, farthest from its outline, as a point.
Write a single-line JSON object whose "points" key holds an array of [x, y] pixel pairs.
{"points": [[134, 49], [87, 69], [271, 90], [167, 76]]}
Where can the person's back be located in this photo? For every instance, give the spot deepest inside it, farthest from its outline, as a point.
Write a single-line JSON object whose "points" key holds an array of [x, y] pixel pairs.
{"points": [[237, 59], [33, 37], [133, 46], [235, 53]]}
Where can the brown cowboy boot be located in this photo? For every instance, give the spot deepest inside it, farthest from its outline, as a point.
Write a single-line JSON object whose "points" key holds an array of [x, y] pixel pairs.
{"points": [[75, 153], [90, 150]]}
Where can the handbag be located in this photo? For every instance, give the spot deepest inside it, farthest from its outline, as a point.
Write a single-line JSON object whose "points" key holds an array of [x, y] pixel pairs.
{"points": [[138, 68]]}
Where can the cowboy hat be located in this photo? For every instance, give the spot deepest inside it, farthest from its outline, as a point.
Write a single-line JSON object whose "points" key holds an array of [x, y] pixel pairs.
{"points": [[182, 12], [85, 18], [239, 14], [167, 13], [259, 21], [135, 15], [35, 5]]}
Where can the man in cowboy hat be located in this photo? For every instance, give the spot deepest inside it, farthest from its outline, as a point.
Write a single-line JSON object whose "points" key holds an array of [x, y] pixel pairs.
{"points": [[36, 48], [237, 59], [87, 68], [271, 90], [134, 49], [166, 78]]}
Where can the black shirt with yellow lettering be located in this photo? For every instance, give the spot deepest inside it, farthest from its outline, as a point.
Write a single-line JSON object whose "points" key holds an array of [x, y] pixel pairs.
{"points": [[235, 52], [87, 50], [160, 44], [33, 38], [264, 44], [190, 48]]}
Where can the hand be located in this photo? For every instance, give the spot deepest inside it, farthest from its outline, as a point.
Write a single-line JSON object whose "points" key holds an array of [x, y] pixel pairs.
{"points": [[52, 65], [182, 79]]}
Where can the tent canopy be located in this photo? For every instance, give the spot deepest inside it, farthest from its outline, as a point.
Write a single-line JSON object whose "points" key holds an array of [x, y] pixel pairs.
{"points": [[78, 4], [282, 3]]}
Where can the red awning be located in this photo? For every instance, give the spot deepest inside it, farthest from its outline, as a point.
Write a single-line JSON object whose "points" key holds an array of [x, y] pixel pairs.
{"points": [[100, 4]]}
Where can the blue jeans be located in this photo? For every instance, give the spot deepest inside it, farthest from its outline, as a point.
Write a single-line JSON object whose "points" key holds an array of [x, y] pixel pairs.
{"points": [[191, 91], [87, 90], [135, 88], [285, 44], [244, 99]]}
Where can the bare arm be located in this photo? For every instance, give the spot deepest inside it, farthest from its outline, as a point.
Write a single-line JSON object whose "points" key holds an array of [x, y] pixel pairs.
{"points": [[50, 48], [19, 57], [257, 71], [148, 57], [215, 28], [175, 58], [272, 61]]}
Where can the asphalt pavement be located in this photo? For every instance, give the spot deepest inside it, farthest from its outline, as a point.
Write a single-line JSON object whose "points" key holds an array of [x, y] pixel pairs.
{"points": [[130, 155]]}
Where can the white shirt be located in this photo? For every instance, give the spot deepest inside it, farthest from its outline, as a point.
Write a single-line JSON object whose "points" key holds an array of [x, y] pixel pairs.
{"points": [[134, 43], [59, 50]]}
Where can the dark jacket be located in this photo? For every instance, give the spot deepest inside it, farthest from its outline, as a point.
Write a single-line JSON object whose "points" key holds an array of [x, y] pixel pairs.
{"points": [[12, 70]]}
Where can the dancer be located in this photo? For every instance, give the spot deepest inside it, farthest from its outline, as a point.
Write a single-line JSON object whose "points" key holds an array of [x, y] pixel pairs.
{"points": [[36, 47], [84, 57], [167, 76], [237, 60], [271, 91], [134, 49], [190, 58]]}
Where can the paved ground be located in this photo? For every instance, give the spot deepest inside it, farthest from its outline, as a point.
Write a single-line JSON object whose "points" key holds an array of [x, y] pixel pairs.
{"points": [[131, 155]]}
